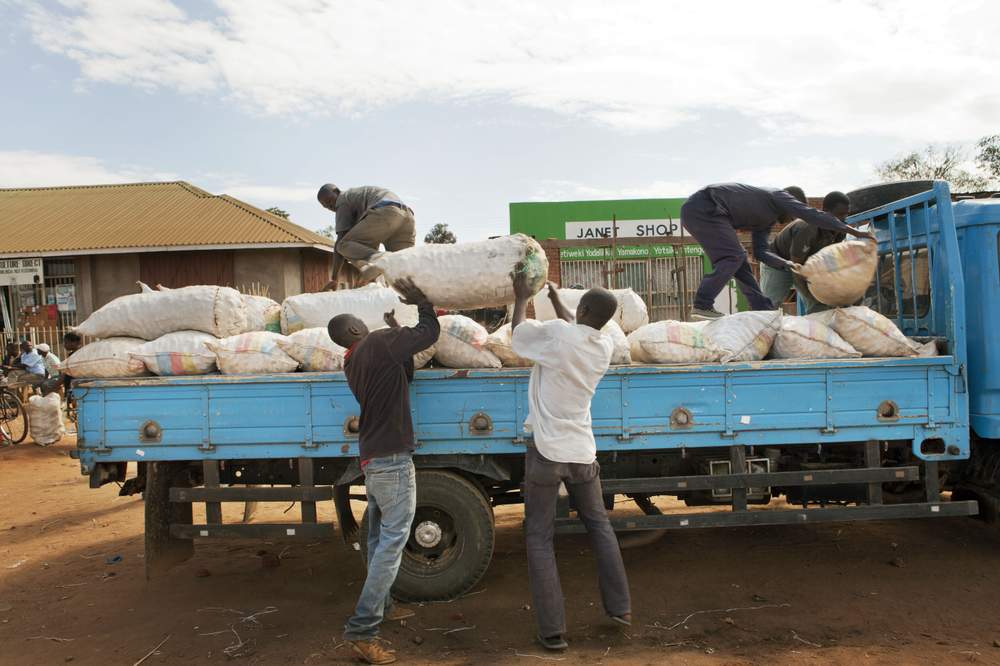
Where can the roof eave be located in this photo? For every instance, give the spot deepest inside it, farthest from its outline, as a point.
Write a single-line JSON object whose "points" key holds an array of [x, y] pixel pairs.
{"points": [[170, 248]]}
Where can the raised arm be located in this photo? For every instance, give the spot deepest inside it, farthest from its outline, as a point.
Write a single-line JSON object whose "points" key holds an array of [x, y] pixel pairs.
{"points": [[557, 304], [411, 340], [793, 208]]}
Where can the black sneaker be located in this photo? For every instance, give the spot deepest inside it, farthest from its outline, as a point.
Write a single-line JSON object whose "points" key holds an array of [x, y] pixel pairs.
{"points": [[555, 643], [698, 314]]}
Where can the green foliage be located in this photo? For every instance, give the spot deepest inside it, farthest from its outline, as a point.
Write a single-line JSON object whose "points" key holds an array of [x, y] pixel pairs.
{"points": [[440, 233], [274, 210], [935, 163]]}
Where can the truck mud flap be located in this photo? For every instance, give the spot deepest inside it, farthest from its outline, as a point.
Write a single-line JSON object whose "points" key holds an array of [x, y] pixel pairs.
{"points": [[163, 550]]}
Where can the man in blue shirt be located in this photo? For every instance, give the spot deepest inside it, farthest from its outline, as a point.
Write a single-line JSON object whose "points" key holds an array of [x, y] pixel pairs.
{"points": [[32, 363], [713, 215]]}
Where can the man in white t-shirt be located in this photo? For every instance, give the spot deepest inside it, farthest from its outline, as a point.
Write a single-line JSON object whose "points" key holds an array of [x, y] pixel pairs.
{"points": [[570, 357]]}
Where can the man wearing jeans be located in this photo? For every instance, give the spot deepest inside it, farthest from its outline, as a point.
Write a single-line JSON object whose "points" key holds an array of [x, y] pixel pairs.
{"points": [[367, 217], [570, 357], [379, 368]]}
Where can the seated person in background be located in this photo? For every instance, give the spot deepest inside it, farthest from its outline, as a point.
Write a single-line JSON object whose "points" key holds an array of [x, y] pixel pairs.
{"points": [[30, 361], [796, 243], [53, 369], [10, 355]]}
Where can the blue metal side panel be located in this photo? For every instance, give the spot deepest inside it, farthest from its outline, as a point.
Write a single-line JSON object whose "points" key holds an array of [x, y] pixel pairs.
{"points": [[979, 239], [766, 403]]}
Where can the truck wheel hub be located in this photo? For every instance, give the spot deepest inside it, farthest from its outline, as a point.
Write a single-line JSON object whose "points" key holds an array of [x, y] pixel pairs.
{"points": [[428, 534]]}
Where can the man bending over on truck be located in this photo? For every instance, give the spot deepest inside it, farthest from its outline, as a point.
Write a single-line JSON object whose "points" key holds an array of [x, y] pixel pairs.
{"points": [[379, 368], [367, 217], [570, 356], [713, 215], [796, 243]]}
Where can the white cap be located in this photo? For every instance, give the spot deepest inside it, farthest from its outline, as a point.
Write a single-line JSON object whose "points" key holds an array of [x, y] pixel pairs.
{"points": [[42, 348]]}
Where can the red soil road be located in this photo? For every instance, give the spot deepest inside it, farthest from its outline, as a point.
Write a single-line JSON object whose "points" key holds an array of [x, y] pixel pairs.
{"points": [[907, 592]]}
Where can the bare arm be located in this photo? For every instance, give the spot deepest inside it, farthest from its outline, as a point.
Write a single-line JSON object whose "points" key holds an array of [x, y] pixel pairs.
{"points": [[522, 292], [557, 304]]}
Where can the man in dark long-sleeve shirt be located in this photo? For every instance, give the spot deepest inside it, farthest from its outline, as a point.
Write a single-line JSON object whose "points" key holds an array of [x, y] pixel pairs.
{"points": [[712, 215], [796, 243], [379, 368], [367, 217]]}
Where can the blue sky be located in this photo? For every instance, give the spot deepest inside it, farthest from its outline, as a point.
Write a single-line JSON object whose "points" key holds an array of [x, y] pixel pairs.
{"points": [[462, 107]]}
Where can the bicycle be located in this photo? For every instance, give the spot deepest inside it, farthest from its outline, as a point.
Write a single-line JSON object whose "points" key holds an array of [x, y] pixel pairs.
{"points": [[13, 416]]}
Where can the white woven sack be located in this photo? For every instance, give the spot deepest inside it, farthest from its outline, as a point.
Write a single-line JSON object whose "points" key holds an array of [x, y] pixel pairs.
{"points": [[368, 303], [465, 276], [460, 344], [631, 314], [180, 353], [105, 358], [498, 342], [263, 314], [314, 350], [672, 342], [144, 288], [45, 421], [840, 274], [421, 359], [252, 353], [216, 310], [744, 336], [620, 355], [802, 337], [870, 332]]}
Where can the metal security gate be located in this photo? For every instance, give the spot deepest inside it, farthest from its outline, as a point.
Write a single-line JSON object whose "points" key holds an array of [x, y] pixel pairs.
{"points": [[665, 283]]}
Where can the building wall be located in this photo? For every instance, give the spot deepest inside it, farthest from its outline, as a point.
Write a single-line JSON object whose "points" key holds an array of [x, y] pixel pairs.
{"points": [[279, 270], [111, 276]]}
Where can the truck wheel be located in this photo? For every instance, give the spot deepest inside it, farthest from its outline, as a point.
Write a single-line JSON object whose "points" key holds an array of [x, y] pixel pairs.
{"points": [[874, 196], [451, 540]]}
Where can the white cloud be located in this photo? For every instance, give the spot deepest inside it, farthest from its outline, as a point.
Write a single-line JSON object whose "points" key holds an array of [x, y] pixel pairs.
{"points": [[569, 190], [26, 168], [900, 68], [815, 175]]}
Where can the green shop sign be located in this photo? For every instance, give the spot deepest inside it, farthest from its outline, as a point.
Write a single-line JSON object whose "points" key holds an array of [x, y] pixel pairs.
{"points": [[629, 252]]}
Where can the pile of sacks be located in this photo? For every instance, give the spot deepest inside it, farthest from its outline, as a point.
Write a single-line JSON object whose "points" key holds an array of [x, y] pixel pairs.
{"points": [[849, 332]]}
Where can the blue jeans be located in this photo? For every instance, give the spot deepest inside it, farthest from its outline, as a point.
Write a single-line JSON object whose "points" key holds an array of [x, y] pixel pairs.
{"points": [[390, 483]]}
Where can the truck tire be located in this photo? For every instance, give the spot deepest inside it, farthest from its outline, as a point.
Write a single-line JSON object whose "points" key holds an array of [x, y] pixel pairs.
{"points": [[874, 196], [451, 539]]}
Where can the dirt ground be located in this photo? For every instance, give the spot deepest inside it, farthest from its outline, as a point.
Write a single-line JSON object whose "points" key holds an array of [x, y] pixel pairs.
{"points": [[72, 590]]}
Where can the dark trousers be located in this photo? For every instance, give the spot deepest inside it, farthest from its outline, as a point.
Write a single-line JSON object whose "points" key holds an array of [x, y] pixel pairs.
{"points": [[716, 235], [542, 478]]}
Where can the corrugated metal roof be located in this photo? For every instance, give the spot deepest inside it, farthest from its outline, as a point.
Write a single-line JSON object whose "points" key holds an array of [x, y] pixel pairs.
{"points": [[136, 215]]}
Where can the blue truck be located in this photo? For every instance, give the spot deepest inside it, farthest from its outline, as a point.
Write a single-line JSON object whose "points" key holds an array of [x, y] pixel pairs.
{"points": [[838, 440]]}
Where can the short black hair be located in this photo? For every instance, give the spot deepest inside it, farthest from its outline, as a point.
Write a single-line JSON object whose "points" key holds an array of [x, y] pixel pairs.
{"points": [[326, 191], [796, 192], [346, 329], [70, 336], [596, 308], [835, 198]]}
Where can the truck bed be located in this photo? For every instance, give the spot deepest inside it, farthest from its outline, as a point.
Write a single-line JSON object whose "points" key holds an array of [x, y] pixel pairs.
{"points": [[639, 407]]}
